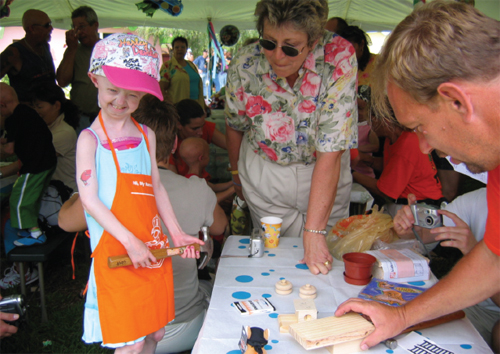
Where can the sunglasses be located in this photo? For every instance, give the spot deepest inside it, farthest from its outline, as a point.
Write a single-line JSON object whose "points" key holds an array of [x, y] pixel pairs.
{"points": [[288, 50], [47, 25]]}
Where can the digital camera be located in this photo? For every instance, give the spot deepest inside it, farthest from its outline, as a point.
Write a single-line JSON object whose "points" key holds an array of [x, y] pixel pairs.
{"points": [[426, 216], [14, 304]]}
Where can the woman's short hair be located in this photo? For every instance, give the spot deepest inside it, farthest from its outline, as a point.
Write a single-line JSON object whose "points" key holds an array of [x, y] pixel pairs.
{"points": [[180, 39], [307, 16], [187, 110], [437, 43], [162, 118], [51, 93], [354, 34], [87, 12]]}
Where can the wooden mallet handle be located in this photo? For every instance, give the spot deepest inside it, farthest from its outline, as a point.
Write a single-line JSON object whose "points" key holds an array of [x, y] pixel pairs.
{"points": [[124, 260]]}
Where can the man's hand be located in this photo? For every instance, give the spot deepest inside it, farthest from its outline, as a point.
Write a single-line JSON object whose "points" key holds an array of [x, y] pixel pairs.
{"points": [[389, 321], [6, 330], [459, 236], [316, 254], [72, 39], [404, 220], [237, 187]]}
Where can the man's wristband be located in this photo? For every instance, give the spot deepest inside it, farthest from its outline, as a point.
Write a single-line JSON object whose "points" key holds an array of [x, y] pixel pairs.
{"points": [[322, 232], [234, 172], [236, 184]]}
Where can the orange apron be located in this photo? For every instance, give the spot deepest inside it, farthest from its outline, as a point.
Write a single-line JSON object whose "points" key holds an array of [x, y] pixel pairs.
{"points": [[133, 302]]}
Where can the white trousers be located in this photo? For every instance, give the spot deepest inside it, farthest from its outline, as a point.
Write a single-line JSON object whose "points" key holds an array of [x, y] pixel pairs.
{"points": [[283, 191]]}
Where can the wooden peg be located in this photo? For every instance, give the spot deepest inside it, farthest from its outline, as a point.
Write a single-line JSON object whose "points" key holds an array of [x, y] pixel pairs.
{"points": [[283, 287], [307, 291]]}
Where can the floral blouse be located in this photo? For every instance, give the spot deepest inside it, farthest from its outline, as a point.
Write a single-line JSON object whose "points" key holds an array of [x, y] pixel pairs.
{"points": [[289, 124]]}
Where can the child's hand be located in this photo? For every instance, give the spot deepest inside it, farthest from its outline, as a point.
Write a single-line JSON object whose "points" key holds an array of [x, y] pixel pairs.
{"points": [[139, 253], [183, 239]]}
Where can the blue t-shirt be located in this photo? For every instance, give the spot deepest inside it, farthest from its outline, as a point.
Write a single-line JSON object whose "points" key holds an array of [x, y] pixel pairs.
{"points": [[201, 63], [194, 79]]}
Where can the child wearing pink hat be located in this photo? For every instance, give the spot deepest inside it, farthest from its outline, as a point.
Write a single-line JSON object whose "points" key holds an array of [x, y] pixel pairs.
{"points": [[126, 308]]}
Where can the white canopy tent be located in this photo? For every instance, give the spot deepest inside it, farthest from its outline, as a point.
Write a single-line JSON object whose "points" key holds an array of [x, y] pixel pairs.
{"points": [[370, 15]]}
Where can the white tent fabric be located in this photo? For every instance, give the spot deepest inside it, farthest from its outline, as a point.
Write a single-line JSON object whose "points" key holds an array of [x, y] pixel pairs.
{"points": [[370, 15]]}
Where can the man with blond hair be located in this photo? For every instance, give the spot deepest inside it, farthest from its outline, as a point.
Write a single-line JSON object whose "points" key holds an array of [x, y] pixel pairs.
{"points": [[439, 74], [29, 60]]}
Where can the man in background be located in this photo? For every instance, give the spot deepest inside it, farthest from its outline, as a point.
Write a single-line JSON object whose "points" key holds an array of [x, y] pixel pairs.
{"points": [[80, 41], [29, 60]]}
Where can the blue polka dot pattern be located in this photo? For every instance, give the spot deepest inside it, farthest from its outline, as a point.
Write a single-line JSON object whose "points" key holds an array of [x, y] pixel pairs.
{"points": [[273, 315], [266, 251], [419, 332], [417, 283], [295, 246], [271, 255], [241, 295], [265, 274], [234, 352], [282, 278], [390, 351], [466, 346], [301, 266], [266, 296], [271, 270], [268, 347], [242, 247], [244, 278], [275, 341], [245, 241]]}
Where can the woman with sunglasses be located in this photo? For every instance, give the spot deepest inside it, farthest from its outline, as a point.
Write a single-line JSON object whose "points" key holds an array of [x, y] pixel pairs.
{"points": [[291, 114]]}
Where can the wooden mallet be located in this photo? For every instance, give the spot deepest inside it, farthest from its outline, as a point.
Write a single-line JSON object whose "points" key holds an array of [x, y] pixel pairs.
{"points": [[124, 260]]}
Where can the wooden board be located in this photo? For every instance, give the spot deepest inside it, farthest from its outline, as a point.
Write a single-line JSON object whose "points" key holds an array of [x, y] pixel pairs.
{"points": [[331, 330], [285, 321], [346, 347]]}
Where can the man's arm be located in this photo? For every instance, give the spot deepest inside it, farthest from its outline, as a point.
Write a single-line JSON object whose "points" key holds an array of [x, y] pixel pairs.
{"points": [[10, 170], [9, 59], [368, 182], [64, 74], [464, 286]]}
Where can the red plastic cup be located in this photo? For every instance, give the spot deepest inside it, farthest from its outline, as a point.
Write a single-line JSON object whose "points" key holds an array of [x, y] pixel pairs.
{"points": [[358, 267]]}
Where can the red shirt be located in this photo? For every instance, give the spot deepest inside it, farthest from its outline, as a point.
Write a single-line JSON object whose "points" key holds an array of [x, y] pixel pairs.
{"points": [[177, 161], [407, 170], [492, 232]]}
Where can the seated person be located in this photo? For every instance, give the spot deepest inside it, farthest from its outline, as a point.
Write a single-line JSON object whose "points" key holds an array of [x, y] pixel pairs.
{"points": [[30, 139], [195, 153], [464, 222], [62, 118], [194, 205], [192, 124], [405, 170]]}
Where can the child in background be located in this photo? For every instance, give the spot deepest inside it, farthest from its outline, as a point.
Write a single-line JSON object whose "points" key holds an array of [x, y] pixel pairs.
{"points": [[195, 153], [126, 308]]}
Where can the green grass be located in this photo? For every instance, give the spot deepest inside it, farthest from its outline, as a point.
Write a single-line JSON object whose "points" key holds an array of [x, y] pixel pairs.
{"points": [[64, 328]]}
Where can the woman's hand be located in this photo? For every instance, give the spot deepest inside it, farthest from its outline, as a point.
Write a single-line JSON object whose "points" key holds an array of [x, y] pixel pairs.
{"points": [[139, 253], [316, 254], [459, 236], [182, 239]]}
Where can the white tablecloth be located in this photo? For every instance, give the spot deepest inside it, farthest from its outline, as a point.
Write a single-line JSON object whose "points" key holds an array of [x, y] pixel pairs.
{"points": [[252, 278]]}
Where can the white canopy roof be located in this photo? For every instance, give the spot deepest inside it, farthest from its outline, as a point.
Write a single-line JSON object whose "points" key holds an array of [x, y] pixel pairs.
{"points": [[370, 15]]}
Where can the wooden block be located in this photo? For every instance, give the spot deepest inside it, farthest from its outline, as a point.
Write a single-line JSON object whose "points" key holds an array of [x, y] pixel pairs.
{"points": [[305, 309], [353, 346], [285, 321], [331, 330]]}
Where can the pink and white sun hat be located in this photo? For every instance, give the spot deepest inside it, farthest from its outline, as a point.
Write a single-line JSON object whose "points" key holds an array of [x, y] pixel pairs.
{"points": [[128, 62]]}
